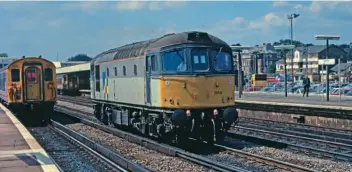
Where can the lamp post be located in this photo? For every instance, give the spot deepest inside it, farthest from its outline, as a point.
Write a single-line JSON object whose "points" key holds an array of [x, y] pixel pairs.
{"points": [[327, 38], [283, 48], [239, 49], [305, 53], [290, 18]]}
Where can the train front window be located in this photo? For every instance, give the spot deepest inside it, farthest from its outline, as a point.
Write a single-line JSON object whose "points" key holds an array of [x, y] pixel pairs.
{"points": [[31, 76], [48, 74], [222, 61], [200, 60], [174, 61], [15, 74]]}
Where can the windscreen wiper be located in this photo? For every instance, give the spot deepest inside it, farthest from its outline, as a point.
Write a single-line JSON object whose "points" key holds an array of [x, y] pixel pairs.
{"points": [[218, 54]]}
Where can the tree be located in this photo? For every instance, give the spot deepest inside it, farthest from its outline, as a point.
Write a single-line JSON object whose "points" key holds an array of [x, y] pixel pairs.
{"points": [[4, 55], [80, 57], [238, 44], [288, 42]]}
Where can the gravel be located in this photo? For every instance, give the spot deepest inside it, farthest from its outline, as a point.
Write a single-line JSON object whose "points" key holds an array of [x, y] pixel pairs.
{"points": [[138, 154], [228, 157], [67, 155], [87, 109], [299, 159]]}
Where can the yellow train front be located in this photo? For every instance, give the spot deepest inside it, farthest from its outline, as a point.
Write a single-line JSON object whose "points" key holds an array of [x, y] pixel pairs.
{"points": [[259, 81], [178, 86], [29, 84]]}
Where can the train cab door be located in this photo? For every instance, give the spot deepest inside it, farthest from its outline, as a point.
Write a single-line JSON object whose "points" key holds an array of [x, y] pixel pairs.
{"points": [[148, 70], [33, 81]]}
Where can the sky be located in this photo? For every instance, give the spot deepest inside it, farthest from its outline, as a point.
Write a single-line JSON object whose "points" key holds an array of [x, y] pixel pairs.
{"points": [[68, 28]]}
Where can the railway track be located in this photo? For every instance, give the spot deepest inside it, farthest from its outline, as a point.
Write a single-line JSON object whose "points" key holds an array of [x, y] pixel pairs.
{"points": [[114, 160], [261, 160], [150, 144], [310, 146], [324, 133], [84, 101]]}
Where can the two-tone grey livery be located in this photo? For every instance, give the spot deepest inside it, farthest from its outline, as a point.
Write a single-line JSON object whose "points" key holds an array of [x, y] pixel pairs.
{"points": [[166, 84]]}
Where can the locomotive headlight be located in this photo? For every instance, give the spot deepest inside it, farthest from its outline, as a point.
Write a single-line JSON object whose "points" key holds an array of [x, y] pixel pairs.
{"points": [[188, 113], [215, 112]]}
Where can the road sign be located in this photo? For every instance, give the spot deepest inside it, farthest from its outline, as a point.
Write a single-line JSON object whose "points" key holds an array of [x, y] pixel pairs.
{"points": [[326, 61]]}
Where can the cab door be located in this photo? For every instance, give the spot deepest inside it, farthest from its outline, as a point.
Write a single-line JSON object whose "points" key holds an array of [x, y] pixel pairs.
{"points": [[33, 80]]}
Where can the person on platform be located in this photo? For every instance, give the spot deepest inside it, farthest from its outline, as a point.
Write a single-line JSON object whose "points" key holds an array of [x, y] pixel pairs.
{"points": [[306, 85]]}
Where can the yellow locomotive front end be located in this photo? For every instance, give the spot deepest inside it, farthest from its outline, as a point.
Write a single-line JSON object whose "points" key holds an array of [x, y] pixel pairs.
{"points": [[197, 92], [197, 83]]}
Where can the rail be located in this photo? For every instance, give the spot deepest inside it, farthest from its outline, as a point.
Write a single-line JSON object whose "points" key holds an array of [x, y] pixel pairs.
{"points": [[115, 160]]}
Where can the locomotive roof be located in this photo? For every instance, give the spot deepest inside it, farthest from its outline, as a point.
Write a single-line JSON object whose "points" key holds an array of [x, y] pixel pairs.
{"points": [[138, 48]]}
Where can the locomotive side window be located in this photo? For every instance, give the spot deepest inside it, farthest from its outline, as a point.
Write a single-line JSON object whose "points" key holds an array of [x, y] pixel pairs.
{"points": [[115, 68], [48, 74], [124, 70], [135, 70], [155, 63], [15, 73]]}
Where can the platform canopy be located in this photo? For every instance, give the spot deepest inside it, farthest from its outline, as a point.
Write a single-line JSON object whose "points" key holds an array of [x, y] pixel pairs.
{"points": [[74, 68]]}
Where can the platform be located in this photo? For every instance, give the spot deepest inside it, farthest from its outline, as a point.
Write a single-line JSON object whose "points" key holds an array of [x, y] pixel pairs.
{"points": [[19, 151], [316, 101]]}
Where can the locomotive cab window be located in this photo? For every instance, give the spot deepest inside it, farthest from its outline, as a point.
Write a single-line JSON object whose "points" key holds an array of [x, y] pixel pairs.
{"points": [[222, 61], [15, 75], [174, 61], [200, 60], [48, 74]]}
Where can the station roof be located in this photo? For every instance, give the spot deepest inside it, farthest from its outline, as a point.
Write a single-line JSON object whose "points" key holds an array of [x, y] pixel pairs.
{"points": [[70, 63], [74, 68]]}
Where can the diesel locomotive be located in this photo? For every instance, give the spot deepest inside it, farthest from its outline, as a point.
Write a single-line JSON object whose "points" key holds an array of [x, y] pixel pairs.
{"points": [[172, 87], [29, 84]]}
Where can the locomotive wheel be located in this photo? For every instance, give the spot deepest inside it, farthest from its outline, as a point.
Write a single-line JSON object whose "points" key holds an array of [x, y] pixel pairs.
{"points": [[102, 113], [97, 111], [106, 117]]}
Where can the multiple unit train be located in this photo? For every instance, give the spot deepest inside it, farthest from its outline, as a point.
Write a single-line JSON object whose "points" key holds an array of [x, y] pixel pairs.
{"points": [[72, 79], [172, 87], [29, 83]]}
